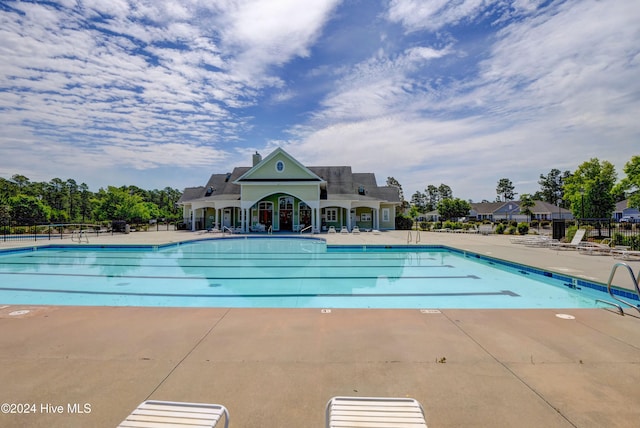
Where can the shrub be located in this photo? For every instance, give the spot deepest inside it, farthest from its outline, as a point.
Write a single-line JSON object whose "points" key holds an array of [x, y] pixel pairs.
{"points": [[523, 228], [618, 238], [511, 230], [499, 230], [404, 223]]}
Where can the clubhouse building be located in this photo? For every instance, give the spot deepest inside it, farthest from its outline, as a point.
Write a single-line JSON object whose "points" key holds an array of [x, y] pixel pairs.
{"points": [[279, 194]]}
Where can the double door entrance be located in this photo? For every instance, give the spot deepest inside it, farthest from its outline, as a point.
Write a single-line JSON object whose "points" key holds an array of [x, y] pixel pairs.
{"points": [[285, 213], [290, 214]]}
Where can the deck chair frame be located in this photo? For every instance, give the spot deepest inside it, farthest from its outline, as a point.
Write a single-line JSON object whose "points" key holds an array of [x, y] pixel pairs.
{"points": [[372, 412], [175, 414]]}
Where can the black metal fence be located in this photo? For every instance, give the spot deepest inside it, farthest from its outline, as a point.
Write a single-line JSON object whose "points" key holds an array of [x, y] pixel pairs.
{"points": [[621, 234], [36, 232]]}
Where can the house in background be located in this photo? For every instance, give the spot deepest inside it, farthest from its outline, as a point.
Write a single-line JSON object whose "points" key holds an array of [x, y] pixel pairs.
{"points": [[278, 193], [512, 211], [623, 209]]}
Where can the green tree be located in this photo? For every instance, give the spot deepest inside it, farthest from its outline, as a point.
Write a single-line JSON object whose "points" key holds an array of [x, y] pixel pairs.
{"points": [[444, 192], [629, 186], [7, 189], [414, 213], [551, 186], [526, 203], [432, 197], [124, 203], [73, 201], [589, 189], [85, 202], [417, 200], [56, 196], [600, 199], [170, 207], [505, 189], [392, 182], [5, 214], [451, 208], [26, 210], [21, 181]]}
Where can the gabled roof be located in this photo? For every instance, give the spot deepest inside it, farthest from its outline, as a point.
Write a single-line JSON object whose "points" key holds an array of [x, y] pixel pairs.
{"points": [[486, 207], [191, 193], [339, 179], [219, 186], [265, 170], [540, 207]]}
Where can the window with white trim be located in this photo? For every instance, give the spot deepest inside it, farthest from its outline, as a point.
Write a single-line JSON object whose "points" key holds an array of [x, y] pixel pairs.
{"points": [[331, 214]]}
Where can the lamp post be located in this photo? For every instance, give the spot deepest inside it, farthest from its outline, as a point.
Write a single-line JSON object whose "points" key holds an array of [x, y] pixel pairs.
{"points": [[559, 211], [582, 202]]}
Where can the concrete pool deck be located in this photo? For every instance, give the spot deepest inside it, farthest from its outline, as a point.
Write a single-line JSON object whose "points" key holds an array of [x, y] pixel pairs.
{"points": [[278, 367]]}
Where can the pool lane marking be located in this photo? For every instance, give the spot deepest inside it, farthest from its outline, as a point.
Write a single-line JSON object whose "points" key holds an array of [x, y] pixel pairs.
{"points": [[226, 266], [480, 293], [90, 275]]}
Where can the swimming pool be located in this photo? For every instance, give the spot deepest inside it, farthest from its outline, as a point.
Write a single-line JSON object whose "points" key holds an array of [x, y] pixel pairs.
{"points": [[280, 272]]}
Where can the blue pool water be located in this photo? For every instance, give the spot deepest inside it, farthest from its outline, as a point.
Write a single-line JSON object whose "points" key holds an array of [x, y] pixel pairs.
{"points": [[279, 272]]}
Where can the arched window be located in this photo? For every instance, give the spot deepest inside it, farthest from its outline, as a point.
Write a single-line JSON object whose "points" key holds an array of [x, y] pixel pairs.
{"points": [[285, 203]]}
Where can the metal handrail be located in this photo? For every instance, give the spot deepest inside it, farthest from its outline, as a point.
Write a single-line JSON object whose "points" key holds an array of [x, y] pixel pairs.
{"points": [[417, 236], [80, 234], [633, 279], [409, 237], [270, 230], [306, 228], [228, 228]]}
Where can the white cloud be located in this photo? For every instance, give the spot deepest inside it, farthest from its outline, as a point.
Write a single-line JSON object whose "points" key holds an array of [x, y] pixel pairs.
{"points": [[555, 90], [271, 32], [433, 15]]}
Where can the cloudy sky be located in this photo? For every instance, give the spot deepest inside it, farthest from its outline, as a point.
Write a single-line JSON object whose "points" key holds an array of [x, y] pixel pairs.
{"points": [[162, 93]]}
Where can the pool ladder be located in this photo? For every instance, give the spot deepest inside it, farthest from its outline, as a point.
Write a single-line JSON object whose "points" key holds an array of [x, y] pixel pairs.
{"points": [[79, 236], [410, 237], [634, 280]]}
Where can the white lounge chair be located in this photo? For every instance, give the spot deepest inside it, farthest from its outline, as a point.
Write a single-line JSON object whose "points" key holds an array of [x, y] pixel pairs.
{"points": [[596, 249], [573, 245], [173, 413], [344, 229], [531, 240], [332, 229], [355, 229], [625, 254], [374, 412]]}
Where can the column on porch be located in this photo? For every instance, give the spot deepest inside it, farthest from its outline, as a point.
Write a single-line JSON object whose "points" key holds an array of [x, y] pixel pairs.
{"points": [[314, 220], [376, 217], [245, 215], [315, 216]]}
